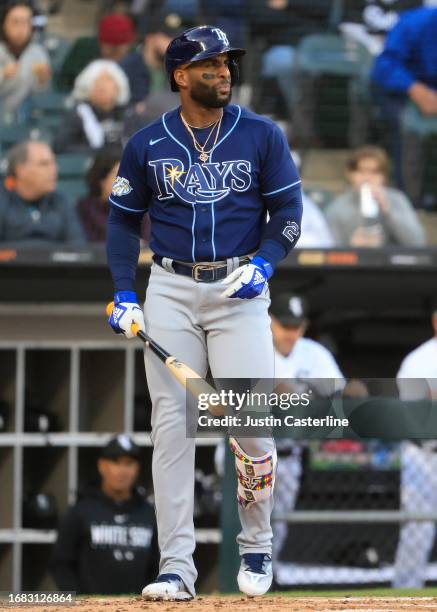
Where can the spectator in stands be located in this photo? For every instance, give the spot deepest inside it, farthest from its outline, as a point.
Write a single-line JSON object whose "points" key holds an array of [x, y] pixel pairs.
{"points": [[93, 209], [228, 15], [417, 380], [279, 25], [144, 66], [24, 64], [370, 214], [107, 540], [149, 109], [316, 233], [116, 34], [150, 92], [369, 21], [101, 92], [32, 212], [301, 365], [407, 70]]}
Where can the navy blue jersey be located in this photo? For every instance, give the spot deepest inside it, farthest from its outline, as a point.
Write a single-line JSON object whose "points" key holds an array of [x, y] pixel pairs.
{"points": [[206, 211]]}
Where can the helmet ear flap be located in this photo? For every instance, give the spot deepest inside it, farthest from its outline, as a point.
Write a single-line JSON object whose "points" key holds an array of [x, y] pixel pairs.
{"points": [[234, 70]]}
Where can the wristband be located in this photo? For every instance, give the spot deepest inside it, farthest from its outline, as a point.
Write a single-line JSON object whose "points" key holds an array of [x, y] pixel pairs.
{"points": [[129, 297]]}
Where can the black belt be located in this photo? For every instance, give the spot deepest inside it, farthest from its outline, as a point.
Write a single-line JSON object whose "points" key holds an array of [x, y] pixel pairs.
{"points": [[201, 272]]}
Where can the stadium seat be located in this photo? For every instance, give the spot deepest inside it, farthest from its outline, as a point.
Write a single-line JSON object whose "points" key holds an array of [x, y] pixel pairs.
{"points": [[56, 46], [48, 109], [82, 51], [72, 166], [332, 54], [12, 134], [321, 197], [73, 188], [414, 121], [419, 157], [328, 68]]}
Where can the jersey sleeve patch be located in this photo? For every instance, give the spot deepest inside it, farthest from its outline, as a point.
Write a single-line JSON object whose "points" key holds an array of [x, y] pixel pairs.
{"points": [[130, 190], [121, 187]]}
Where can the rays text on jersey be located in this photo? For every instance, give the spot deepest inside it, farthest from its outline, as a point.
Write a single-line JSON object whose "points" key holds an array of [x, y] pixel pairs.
{"points": [[200, 183]]}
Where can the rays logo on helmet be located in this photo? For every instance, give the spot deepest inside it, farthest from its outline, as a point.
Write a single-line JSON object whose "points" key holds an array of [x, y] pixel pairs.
{"points": [[121, 187], [221, 36]]}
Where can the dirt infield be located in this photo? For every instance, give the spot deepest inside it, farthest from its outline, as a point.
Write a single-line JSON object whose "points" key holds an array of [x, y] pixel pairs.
{"points": [[261, 604]]}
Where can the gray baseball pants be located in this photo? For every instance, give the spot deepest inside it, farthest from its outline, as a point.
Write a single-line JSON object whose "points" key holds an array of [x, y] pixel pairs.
{"points": [[233, 336]]}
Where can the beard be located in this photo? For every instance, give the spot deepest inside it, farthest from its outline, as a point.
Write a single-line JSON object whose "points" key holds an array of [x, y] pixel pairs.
{"points": [[208, 96]]}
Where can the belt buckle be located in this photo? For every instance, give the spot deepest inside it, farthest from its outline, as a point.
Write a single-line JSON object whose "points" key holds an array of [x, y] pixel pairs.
{"points": [[196, 270]]}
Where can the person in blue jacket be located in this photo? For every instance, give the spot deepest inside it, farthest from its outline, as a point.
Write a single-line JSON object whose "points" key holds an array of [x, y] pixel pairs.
{"points": [[407, 70]]}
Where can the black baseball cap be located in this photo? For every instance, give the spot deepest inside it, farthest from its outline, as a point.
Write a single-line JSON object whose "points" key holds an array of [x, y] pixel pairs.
{"points": [[120, 446], [289, 308], [164, 22]]}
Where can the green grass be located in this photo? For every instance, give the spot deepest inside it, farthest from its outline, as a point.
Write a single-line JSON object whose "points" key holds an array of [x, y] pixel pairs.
{"points": [[387, 592]]}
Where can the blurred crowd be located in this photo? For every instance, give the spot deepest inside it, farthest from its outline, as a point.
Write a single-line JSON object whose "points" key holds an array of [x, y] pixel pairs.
{"points": [[359, 76]]}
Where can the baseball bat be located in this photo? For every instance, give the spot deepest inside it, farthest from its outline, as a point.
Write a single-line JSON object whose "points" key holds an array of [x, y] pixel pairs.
{"points": [[187, 377]]}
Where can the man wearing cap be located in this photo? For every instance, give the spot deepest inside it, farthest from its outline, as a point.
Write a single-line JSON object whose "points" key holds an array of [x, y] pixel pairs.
{"points": [[106, 542], [144, 66], [300, 364], [417, 379], [115, 36]]}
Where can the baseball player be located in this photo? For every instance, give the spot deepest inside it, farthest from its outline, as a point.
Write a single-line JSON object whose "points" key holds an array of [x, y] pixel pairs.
{"points": [[301, 364], [417, 379], [208, 172]]}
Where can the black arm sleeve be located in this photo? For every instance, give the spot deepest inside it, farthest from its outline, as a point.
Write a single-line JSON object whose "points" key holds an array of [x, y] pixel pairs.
{"points": [[283, 228], [123, 247]]}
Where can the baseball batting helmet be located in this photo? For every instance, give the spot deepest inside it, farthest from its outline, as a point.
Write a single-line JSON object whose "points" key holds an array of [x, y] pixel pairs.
{"points": [[197, 44]]}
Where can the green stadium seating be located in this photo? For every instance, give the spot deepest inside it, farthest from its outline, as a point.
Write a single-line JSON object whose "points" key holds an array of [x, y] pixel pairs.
{"points": [[328, 69], [321, 197], [81, 52], [57, 47], [73, 188], [12, 134], [332, 54], [72, 166], [48, 110]]}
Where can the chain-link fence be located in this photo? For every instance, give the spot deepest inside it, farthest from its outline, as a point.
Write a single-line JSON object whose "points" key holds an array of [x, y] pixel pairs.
{"points": [[350, 512]]}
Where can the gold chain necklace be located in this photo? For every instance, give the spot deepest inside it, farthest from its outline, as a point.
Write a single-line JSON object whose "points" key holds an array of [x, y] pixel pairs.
{"points": [[204, 155], [196, 127]]}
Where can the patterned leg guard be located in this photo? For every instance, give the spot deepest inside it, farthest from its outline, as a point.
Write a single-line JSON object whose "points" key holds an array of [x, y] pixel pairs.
{"points": [[256, 475]]}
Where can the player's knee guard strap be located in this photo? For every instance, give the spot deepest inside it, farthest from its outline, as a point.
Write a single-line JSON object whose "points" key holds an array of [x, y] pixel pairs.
{"points": [[255, 475]]}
